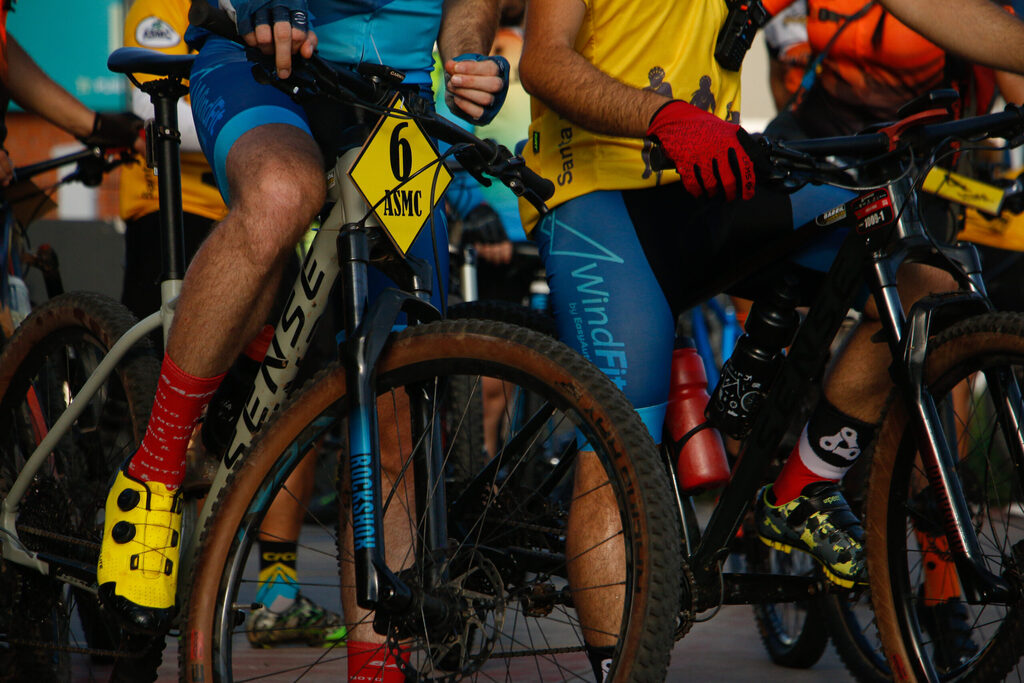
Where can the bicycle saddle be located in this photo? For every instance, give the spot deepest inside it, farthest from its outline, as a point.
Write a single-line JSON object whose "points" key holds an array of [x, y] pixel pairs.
{"points": [[128, 60]]}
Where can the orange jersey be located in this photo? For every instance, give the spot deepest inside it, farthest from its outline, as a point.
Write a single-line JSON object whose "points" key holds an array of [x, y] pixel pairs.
{"points": [[874, 66]]}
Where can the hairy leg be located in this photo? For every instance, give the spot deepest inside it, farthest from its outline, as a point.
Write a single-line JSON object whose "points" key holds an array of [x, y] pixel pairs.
{"points": [[277, 186], [595, 553], [858, 381]]}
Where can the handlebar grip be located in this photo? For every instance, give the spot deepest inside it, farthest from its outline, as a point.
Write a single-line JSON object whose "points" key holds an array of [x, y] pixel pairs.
{"points": [[849, 145], [540, 185]]}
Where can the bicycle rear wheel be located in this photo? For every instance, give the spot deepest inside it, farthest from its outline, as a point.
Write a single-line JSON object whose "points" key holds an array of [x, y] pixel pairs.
{"points": [[506, 563], [51, 621], [928, 629], [793, 633]]}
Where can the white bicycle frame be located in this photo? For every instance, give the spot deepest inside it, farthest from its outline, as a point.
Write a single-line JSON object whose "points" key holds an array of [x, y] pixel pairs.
{"points": [[292, 338]]}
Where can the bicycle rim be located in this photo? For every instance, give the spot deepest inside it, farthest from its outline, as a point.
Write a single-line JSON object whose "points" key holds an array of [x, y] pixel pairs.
{"points": [[53, 627], [928, 628], [504, 568]]}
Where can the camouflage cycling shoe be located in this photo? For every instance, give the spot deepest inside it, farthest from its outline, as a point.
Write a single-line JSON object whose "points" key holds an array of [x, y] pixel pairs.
{"points": [[138, 565], [303, 622], [818, 522]]}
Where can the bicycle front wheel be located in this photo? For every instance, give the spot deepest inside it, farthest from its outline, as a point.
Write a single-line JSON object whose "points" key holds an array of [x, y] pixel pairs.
{"points": [[515, 568], [929, 629], [53, 623]]}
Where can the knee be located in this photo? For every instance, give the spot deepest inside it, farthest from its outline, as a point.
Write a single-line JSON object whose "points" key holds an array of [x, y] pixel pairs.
{"points": [[915, 281], [283, 195], [276, 192]]}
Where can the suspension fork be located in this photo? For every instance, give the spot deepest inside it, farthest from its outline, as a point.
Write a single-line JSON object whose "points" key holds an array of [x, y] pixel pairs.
{"points": [[909, 338], [375, 583], [367, 328]]}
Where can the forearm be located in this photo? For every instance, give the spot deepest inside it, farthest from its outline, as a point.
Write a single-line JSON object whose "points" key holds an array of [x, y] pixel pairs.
{"points": [[467, 26], [578, 91], [1011, 87], [978, 30], [38, 93]]}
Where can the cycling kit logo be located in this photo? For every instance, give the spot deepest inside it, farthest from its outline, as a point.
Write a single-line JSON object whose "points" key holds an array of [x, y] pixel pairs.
{"points": [[657, 84], [156, 33], [843, 444]]}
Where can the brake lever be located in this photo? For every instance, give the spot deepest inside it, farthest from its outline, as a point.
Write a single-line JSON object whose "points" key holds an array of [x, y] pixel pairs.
{"points": [[473, 163]]}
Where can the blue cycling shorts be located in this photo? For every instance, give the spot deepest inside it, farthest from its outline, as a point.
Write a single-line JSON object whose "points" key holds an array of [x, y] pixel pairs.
{"points": [[227, 102], [622, 265]]}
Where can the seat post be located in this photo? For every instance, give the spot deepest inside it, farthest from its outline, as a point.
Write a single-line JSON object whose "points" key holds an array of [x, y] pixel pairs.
{"points": [[163, 142]]}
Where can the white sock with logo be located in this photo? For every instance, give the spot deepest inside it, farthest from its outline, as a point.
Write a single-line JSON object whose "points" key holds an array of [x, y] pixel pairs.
{"points": [[832, 441]]}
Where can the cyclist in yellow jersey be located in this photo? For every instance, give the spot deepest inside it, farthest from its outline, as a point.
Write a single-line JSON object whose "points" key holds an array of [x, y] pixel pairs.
{"points": [[624, 245], [580, 157], [160, 25]]}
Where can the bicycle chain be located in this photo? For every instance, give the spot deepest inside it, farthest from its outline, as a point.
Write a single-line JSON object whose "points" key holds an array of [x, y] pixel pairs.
{"points": [[687, 608], [43, 533]]}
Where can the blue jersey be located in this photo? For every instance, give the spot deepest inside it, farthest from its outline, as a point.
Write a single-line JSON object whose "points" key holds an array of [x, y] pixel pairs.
{"points": [[399, 33]]}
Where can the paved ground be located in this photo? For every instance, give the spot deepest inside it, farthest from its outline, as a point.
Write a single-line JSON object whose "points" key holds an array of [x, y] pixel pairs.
{"points": [[726, 648]]}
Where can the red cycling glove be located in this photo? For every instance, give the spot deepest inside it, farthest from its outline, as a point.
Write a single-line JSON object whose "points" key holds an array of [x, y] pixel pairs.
{"points": [[708, 152]]}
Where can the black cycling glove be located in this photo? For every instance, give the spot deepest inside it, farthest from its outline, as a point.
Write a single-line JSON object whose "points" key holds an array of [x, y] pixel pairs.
{"points": [[114, 130]]}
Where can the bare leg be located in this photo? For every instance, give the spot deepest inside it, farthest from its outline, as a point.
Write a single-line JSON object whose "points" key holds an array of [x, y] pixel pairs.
{"points": [[858, 382], [277, 186], [495, 400], [595, 553], [284, 518]]}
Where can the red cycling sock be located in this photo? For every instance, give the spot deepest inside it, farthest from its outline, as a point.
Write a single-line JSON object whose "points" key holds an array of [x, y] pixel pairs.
{"points": [[372, 662], [793, 478], [257, 347], [180, 399]]}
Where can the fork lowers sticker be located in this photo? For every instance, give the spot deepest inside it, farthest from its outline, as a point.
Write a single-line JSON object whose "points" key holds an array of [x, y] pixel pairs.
{"points": [[872, 210]]}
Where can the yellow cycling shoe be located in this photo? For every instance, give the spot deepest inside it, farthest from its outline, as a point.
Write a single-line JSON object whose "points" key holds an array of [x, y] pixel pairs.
{"points": [[138, 567]]}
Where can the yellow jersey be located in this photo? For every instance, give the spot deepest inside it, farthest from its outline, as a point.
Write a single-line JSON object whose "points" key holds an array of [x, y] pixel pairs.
{"points": [[662, 45], [160, 25]]}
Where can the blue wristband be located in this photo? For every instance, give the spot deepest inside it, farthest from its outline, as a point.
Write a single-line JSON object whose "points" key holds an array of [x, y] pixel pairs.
{"points": [[491, 110]]}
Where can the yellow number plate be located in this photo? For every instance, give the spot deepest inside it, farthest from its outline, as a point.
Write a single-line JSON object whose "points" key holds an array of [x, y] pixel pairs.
{"points": [[396, 171], [964, 190]]}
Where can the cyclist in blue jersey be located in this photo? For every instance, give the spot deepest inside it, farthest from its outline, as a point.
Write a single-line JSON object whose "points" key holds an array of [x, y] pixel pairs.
{"points": [[270, 170]]}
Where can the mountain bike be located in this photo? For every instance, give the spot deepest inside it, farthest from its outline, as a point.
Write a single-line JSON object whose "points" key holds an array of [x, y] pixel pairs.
{"points": [[930, 496], [27, 202], [480, 583]]}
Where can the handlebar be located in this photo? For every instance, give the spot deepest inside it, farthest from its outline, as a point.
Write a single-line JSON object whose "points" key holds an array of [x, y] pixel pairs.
{"points": [[915, 133], [376, 84], [92, 162]]}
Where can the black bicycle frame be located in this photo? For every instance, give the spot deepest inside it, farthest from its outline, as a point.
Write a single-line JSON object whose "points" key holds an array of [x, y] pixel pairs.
{"points": [[872, 252]]}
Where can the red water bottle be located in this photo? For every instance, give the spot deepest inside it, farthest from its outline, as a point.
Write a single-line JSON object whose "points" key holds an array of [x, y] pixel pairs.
{"points": [[701, 461]]}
